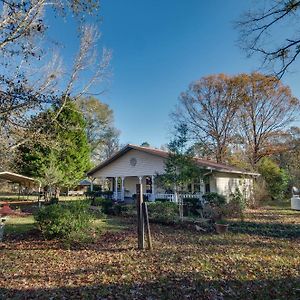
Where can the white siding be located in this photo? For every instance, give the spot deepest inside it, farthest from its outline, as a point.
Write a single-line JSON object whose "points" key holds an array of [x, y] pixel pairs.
{"points": [[226, 184], [147, 164]]}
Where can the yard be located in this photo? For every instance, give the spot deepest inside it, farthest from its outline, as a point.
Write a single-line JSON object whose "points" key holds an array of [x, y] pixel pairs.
{"points": [[258, 259]]}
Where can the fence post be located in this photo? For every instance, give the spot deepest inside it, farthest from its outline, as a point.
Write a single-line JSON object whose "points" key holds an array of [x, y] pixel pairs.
{"points": [[140, 225], [146, 216]]}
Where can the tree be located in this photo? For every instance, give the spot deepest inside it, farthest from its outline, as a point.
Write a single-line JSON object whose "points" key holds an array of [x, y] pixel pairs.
{"points": [[180, 167], [102, 136], [66, 161], [275, 178], [259, 33], [267, 108], [208, 108], [31, 77], [290, 159]]}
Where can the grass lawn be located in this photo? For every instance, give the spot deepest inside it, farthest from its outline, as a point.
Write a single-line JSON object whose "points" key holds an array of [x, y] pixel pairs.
{"points": [[258, 259]]}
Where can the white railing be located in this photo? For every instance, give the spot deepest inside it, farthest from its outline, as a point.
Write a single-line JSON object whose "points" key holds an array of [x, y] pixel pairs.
{"points": [[172, 198], [196, 195]]}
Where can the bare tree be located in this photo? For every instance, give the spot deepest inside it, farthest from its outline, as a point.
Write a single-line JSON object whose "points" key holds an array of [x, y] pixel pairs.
{"points": [[208, 108], [260, 33], [30, 83], [266, 110]]}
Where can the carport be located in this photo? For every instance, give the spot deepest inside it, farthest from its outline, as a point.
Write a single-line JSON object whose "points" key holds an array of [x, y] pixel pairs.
{"points": [[23, 181]]}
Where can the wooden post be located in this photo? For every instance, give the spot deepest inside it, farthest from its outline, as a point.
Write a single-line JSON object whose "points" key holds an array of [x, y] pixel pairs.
{"points": [[146, 216], [141, 229]]}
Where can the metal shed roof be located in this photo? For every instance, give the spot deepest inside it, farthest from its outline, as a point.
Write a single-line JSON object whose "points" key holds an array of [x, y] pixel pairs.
{"points": [[18, 178]]}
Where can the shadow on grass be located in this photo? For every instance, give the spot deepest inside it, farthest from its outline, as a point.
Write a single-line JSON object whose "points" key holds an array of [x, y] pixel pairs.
{"points": [[171, 286], [276, 230]]}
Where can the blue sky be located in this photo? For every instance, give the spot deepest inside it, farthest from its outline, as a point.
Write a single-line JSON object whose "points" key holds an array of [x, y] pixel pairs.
{"points": [[159, 47]]}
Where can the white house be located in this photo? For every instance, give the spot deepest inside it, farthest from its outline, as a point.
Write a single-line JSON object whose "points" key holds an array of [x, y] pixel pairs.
{"points": [[134, 165]]}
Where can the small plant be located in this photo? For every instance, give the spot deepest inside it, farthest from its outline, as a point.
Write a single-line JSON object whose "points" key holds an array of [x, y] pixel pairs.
{"points": [[214, 199], [105, 204], [165, 212], [237, 204], [192, 205], [62, 221]]}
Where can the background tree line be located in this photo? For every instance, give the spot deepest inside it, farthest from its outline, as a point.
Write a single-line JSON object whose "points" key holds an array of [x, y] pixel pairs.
{"points": [[243, 120]]}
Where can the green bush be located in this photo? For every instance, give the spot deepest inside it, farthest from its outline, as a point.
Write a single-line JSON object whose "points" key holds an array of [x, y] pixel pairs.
{"points": [[165, 212], [214, 199], [276, 179], [62, 221], [237, 204], [105, 204], [192, 206]]}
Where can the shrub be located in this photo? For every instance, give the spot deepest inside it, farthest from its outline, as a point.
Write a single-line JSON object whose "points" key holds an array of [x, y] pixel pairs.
{"points": [[62, 221], [127, 210], [192, 205], [214, 199], [105, 204], [237, 204], [52, 201], [276, 179], [165, 212]]}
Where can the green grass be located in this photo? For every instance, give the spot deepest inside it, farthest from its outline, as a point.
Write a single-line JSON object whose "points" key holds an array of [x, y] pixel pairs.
{"points": [[258, 259], [19, 225]]}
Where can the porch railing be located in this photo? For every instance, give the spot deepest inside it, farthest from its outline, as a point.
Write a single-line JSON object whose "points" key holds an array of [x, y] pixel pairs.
{"points": [[169, 197]]}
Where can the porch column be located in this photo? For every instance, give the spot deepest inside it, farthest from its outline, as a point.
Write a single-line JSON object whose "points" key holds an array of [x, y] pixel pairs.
{"points": [[153, 188], [92, 185], [140, 179], [116, 188], [122, 189]]}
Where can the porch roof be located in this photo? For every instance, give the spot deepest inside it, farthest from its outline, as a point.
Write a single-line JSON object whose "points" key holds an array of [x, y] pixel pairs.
{"points": [[206, 164]]}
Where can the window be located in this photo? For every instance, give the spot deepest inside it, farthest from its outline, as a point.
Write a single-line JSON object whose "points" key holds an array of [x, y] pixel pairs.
{"points": [[148, 184]]}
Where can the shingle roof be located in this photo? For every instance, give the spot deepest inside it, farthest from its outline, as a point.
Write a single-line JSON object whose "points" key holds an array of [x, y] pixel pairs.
{"points": [[207, 164]]}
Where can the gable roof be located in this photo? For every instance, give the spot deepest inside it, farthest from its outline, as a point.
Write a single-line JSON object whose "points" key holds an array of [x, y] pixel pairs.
{"points": [[204, 163]]}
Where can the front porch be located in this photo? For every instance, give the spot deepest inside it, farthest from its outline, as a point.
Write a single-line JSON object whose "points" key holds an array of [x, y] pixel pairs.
{"points": [[125, 188]]}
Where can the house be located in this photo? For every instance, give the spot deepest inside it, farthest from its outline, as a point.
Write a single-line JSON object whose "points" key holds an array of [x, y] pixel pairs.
{"points": [[134, 165]]}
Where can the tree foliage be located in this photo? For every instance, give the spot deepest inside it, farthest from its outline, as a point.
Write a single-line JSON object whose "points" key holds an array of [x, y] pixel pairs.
{"points": [[180, 167], [32, 77], [208, 108], [65, 162], [102, 136], [290, 159], [276, 179], [267, 109], [246, 113]]}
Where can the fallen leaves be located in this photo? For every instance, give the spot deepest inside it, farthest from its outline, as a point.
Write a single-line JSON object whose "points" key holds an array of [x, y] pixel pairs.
{"points": [[184, 264]]}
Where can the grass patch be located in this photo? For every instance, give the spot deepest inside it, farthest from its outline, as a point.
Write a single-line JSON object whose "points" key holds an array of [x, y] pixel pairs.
{"points": [[19, 225]]}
